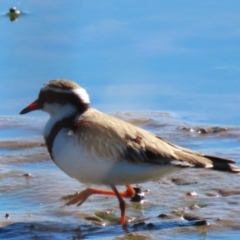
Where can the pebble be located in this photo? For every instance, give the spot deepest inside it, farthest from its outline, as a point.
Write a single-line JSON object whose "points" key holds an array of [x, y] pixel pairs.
{"points": [[164, 215], [209, 130], [191, 217], [226, 193], [139, 195], [27, 174], [212, 195], [150, 225], [192, 194], [202, 222], [194, 207], [182, 181], [138, 224], [95, 219]]}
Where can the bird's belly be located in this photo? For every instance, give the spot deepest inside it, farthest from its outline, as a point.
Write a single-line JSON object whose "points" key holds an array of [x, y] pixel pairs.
{"points": [[76, 160], [81, 163]]}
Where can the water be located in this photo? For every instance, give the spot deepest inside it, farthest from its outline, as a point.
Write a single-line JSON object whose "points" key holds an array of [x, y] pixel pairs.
{"points": [[33, 189], [165, 66]]}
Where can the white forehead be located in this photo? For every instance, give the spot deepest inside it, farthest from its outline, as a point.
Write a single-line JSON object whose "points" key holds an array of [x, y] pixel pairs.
{"points": [[80, 92]]}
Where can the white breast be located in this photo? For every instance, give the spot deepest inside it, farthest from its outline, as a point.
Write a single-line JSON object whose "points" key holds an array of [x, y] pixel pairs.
{"points": [[80, 163], [76, 160]]}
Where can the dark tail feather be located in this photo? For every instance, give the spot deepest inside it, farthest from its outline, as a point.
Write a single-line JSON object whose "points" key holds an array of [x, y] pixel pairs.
{"points": [[223, 164]]}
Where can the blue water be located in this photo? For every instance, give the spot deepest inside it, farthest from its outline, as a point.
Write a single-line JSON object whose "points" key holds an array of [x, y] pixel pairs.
{"points": [[177, 57], [129, 55]]}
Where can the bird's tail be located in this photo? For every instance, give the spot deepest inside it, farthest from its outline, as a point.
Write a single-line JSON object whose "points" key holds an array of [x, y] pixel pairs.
{"points": [[198, 160], [223, 164]]}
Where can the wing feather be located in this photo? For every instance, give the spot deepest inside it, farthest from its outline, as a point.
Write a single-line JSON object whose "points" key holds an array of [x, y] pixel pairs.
{"points": [[113, 138]]}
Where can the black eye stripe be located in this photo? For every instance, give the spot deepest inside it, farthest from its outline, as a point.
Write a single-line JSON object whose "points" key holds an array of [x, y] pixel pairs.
{"points": [[49, 96]]}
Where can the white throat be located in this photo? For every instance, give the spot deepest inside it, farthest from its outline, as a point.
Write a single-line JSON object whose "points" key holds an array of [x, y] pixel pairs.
{"points": [[57, 112]]}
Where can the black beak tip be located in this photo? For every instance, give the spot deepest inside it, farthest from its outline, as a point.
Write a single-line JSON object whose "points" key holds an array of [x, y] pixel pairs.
{"points": [[25, 110]]}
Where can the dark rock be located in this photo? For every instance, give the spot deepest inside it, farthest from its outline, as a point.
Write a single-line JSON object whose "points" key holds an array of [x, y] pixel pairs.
{"points": [[226, 193], [95, 219], [211, 195], [194, 207], [140, 224], [192, 194], [164, 215], [202, 222], [150, 225], [139, 196], [27, 174], [190, 217], [182, 181]]}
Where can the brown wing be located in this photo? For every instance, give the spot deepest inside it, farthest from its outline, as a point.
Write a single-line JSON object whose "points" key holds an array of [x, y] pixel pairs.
{"points": [[113, 138]]}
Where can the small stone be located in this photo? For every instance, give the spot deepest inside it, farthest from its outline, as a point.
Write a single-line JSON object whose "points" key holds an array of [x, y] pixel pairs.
{"points": [[179, 211], [194, 207], [139, 195], [202, 131], [226, 193], [191, 217], [182, 181], [150, 225], [212, 194], [163, 215], [27, 174], [32, 226], [94, 219], [202, 222], [139, 224], [137, 190], [192, 194]]}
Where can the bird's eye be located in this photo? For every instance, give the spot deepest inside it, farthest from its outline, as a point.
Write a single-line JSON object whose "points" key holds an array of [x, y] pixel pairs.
{"points": [[49, 96]]}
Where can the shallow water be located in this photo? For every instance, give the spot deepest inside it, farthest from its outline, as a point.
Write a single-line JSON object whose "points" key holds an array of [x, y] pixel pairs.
{"points": [[170, 67], [32, 189]]}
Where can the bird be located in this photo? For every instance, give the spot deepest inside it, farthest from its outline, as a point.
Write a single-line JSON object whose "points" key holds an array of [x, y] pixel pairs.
{"points": [[13, 13], [95, 148]]}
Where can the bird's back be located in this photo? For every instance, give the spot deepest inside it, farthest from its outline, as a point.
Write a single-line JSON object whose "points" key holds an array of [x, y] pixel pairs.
{"points": [[115, 138]]}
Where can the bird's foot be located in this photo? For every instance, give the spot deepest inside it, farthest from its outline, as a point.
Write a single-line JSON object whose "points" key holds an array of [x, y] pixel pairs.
{"points": [[80, 198]]}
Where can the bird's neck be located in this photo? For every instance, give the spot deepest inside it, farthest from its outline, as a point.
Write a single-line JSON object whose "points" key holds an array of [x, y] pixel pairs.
{"points": [[59, 120], [64, 123], [58, 114]]}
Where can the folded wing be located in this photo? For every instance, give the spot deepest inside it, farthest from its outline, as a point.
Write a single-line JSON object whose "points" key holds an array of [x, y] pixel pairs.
{"points": [[115, 139]]}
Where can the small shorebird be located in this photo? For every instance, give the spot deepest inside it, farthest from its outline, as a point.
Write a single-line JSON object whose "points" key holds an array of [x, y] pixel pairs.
{"points": [[13, 13], [95, 148]]}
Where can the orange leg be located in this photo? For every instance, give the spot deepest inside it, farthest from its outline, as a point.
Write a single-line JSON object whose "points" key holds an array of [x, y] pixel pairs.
{"points": [[122, 206], [81, 197]]}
